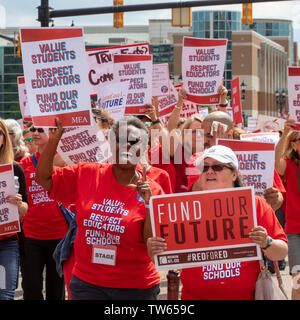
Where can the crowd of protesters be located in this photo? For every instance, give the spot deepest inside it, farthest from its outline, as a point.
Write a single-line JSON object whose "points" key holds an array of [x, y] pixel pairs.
{"points": [[120, 265]]}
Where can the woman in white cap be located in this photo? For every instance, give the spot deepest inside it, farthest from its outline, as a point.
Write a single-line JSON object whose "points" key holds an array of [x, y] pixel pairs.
{"points": [[228, 281]]}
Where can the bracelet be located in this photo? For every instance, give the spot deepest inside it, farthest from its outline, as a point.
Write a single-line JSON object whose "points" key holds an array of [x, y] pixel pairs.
{"points": [[146, 205], [223, 104], [176, 107], [156, 121], [269, 243]]}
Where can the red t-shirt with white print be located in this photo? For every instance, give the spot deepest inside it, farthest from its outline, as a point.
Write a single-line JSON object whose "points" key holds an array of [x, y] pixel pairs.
{"points": [[109, 246]]}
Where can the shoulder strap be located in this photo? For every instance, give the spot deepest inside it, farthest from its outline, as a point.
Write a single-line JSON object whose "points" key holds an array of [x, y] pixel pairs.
{"points": [[34, 159]]}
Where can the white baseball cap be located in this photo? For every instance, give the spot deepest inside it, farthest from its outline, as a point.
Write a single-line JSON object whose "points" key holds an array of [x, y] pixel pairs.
{"points": [[220, 153]]}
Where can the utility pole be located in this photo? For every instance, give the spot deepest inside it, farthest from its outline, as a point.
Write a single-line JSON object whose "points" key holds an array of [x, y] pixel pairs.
{"points": [[44, 13]]}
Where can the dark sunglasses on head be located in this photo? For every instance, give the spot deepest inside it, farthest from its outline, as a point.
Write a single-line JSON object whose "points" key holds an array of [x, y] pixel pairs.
{"points": [[33, 129], [30, 140], [125, 141], [215, 167]]}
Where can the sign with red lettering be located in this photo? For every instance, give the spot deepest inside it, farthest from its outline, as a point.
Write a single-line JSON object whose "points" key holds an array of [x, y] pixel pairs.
{"points": [[203, 62], [9, 215], [101, 64], [56, 76], [137, 71], [256, 162], [294, 94], [204, 227], [236, 102], [23, 101]]}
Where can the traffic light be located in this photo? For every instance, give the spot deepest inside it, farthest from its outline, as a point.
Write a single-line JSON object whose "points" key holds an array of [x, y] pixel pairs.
{"points": [[247, 14], [118, 17]]}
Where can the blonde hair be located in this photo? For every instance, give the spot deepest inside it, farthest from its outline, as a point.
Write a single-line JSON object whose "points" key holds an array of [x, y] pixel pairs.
{"points": [[288, 151], [6, 150]]}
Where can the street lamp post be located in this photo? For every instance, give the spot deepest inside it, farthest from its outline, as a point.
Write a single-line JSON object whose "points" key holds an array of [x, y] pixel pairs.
{"points": [[280, 101]]}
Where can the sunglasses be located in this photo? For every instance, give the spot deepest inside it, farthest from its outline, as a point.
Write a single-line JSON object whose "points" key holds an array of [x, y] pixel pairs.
{"points": [[298, 139], [33, 129], [125, 141], [148, 124], [215, 167], [30, 140]]}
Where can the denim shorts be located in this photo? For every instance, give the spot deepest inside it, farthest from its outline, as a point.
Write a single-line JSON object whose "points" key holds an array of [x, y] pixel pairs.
{"points": [[294, 252], [81, 290]]}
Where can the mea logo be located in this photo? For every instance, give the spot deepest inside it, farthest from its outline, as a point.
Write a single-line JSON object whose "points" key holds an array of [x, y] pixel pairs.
{"points": [[2, 17]]}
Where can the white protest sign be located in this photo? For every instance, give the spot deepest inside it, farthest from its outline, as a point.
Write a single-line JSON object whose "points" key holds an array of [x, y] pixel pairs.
{"points": [[136, 70], [160, 79], [294, 94], [256, 162], [9, 215], [84, 144], [269, 137], [23, 101], [101, 65], [203, 62], [56, 76], [112, 98]]}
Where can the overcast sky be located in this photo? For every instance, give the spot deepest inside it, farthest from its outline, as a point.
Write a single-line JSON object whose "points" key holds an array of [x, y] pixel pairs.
{"points": [[24, 12]]}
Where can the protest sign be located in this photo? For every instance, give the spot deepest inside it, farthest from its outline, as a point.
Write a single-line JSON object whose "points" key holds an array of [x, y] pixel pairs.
{"points": [[101, 65], [203, 63], [56, 76], [23, 101], [136, 70], [236, 102], [112, 97], [294, 94], [84, 144], [204, 227], [269, 137], [160, 79], [256, 162], [9, 215]]}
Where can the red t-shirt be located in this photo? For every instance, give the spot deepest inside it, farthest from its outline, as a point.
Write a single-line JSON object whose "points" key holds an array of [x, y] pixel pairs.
{"points": [[108, 214], [230, 281], [44, 219], [292, 204]]}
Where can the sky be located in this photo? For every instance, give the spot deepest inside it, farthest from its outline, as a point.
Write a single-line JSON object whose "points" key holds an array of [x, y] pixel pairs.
{"points": [[23, 13]]}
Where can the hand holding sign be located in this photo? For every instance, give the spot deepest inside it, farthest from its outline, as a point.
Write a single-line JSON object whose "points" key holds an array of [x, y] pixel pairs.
{"points": [[56, 133], [259, 236], [143, 187], [156, 245]]}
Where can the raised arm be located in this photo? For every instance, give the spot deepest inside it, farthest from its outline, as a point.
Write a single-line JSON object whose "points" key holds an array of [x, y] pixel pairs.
{"points": [[44, 168]]}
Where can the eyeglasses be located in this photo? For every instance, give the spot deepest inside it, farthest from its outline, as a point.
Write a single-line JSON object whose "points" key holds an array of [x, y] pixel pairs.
{"points": [[33, 129], [125, 141], [30, 140], [298, 139], [215, 167]]}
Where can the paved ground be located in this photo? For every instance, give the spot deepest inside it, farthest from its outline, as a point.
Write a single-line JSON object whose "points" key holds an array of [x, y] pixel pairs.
{"points": [[163, 290]]}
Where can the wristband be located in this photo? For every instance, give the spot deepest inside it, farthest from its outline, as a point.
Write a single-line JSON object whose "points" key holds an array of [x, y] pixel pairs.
{"points": [[146, 205], [176, 107], [223, 104], [156, 121], [269, 243]]}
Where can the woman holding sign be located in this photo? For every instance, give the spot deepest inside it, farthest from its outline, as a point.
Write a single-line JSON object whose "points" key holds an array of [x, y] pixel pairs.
{"points": [[111, 259], [287, 159], [228, 281], [9, 248]]}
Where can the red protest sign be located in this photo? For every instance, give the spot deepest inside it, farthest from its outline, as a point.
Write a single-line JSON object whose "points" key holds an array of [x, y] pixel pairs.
{"points": [[236, 101], [204, 227]]}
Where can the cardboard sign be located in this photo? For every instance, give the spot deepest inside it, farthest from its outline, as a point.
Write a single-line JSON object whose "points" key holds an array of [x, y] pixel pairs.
{"points": [[9, 215], [256, 162], [204, 227], [56, 76], [160, 79], [294, 94], [203, 62], [137, 71], [23, 101], [236, 102], [101, 65], [112, 97], [84, 144], [269, 137]]}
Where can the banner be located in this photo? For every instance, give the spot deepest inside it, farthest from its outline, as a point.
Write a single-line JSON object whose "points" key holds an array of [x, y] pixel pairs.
{"points": [[9, 215], [101, 65], [23, 101], [236, 102], [56, 76], [256, 162], [203, 62], [294, 94], [204, 227], [269, 137], [137, 71], [84, 144], [160, 79], [112, 98]]}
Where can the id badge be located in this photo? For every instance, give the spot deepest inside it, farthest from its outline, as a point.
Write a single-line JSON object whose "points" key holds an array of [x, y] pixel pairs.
{"points": [[104, 255]]}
